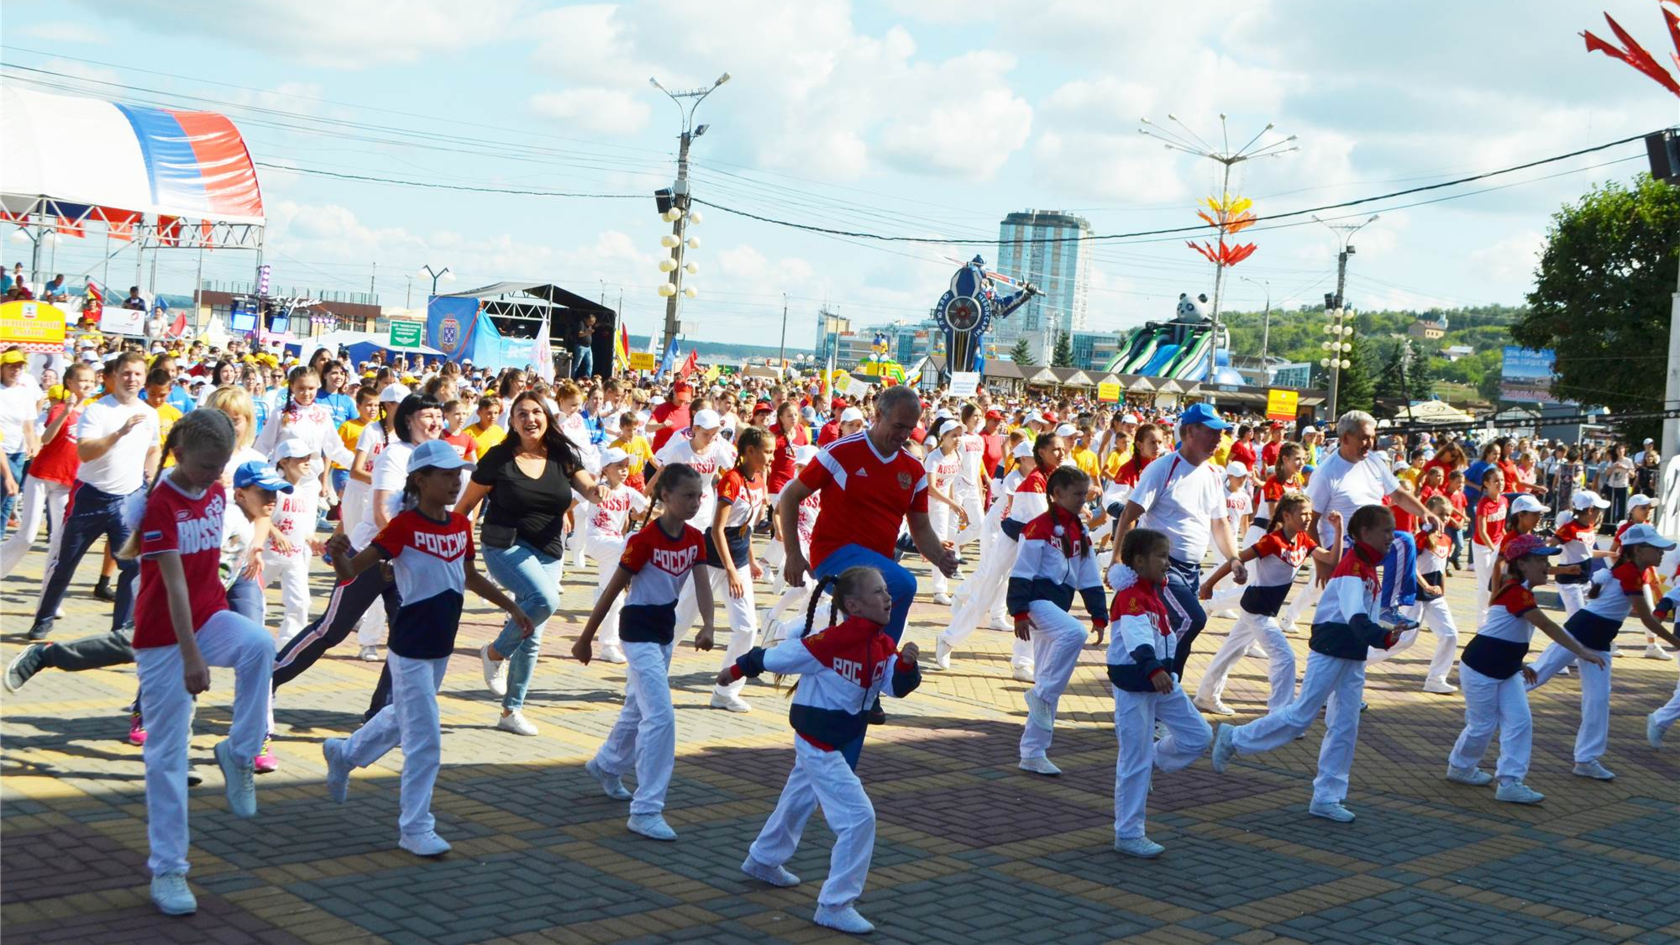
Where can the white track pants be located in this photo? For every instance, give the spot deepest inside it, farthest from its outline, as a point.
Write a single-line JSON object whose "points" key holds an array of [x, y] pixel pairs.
{"points": [[1574, 597], [823, 777], [226, 639], [740, 611], [1594, 735], [1331, 681], [580, 545], [981, 597], [411, 720], [606, 552], [969, 498], [1670, 711], [645, 736], [944, 522], [41, 498], [1437, 616], [1057, 637], [1304, 600], [1481, 564], [292, 571], [1489, 705], [1135, 715], [1280, 659]]}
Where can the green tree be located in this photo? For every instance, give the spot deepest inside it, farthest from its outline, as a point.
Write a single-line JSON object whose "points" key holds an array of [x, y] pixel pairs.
{"points": [[1022, 352], [1062, 354], [1358, 384], [1601, 296], [1391, 380], [1422, 376]]}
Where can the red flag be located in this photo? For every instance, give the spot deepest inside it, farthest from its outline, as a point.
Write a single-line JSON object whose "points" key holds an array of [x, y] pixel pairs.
{"points": [[178, 327], [169, 230], [95, 292], [690, 364]]}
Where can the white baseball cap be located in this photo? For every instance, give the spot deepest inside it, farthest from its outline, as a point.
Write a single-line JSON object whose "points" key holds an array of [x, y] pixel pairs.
{"points": [[1588, 499], [611, 455], [804, 454], [1306, 431], [1528, 503], [1635, 501], [1023, 449], [1236, 471], [437, 454], [1130, 418], [850, 414], [393, 394], [291, 448], [708, 419], [1643, 534], [1066, 429]]}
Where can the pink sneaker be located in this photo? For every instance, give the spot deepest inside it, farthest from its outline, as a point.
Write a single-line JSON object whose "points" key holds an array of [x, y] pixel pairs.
{"points": [[136, 729], [265, 760]]}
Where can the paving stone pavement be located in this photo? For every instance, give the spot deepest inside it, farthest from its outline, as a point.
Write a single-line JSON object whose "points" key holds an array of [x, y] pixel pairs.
{"points": [[969, 849]]}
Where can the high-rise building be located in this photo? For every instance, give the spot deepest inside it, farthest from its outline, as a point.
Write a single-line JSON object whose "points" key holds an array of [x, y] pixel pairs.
{"points": [[829, 327], [1044, 247]]}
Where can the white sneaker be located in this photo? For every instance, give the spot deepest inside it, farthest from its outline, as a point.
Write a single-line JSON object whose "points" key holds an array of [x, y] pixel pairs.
{"points": [[1517, 792], [1594, 770], [368, 654], [730, 701], [942, 653], [338, 770], [1475, 777], [1290, 628], [845, 919], [1255, 652], [516, 723], [1216, 707], [1227, 614], [424, 844], [495, 672], [171, 895], [1653, 732], [652, 826], [1039, 713], [1331, 811], [1001, 625], [611, 653], [1141, 847], [942, 599], [1223, 750], [611, 784], [241, 782], [1439, 686], [1039, 765], [1022, 674], [774, 875], [1655, 652]]}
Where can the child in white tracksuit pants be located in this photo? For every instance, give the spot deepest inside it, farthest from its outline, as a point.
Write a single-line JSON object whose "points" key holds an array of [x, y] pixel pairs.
{"points": [[1344, 629], [1140, 657], [1493, 677], [294, 522], [1659, 722], [986, 588], [843, 670], [1054, 560], [657, 562], [430, 550], [604, 534]]}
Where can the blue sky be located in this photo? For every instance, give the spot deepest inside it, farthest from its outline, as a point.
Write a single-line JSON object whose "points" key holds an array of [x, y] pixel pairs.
{"points": [[920, 117]]}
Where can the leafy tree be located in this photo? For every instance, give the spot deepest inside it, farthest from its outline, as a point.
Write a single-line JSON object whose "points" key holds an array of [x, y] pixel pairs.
{"points": [[1391, 381], [1022, 352], [1601, 296], [1358, 386], [1062, 354], [1422, 368]]}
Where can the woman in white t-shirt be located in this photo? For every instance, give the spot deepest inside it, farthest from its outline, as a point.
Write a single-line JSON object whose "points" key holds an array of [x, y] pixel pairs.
{"points": [[1614, 479], [943, 463]]}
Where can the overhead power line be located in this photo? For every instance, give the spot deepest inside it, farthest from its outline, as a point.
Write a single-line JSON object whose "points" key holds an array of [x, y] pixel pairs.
{"points": [[368, 178]]}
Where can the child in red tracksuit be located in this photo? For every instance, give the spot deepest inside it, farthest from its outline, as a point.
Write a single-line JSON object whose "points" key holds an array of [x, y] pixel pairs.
{"points": [[844, 669]]}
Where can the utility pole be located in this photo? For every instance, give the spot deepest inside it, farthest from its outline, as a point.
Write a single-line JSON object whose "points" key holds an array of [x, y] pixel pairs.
{"points": [[1336, 307], [679, 199], [1266, 319], [371, 280], [408, 291], [783, 355]]}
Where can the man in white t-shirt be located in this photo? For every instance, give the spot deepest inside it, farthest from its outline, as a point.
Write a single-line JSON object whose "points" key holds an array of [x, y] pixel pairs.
{"points": [[117, 442], [1182, 495]]}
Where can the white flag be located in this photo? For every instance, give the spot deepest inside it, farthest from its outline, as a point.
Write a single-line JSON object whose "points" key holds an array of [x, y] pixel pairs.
{"points": [[543, 353]]}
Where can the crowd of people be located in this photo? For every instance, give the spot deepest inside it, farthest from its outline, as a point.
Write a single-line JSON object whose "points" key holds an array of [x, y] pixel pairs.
{"points": [[215, 474]]}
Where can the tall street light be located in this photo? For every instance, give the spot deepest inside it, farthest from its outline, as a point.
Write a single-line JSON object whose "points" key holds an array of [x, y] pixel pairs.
{"points": [[437, 275], [1266, 319], [674, 206], [1344, 241]]}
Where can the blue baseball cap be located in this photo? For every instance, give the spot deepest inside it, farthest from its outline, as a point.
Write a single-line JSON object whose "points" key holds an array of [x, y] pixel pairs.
{"points": [[260, 474], [1204, 415]]}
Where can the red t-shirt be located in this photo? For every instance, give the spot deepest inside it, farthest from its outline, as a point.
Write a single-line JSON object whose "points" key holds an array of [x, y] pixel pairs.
{"points": [[829, 433], [1490, 510], [57, 461], [191, 527], [465, 446], [669, 412], [781, 461], [992, 453], [1242, 452], [1269, 453], [870, 495]]}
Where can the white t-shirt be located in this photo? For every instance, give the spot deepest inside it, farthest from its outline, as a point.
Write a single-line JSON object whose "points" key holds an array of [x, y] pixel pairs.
{"points": [[1340, 486], [390, 474], [122, 469], [17, 408], [971, 449], [606, 520], [1237, 505], [1181, 500], [711, 463]]}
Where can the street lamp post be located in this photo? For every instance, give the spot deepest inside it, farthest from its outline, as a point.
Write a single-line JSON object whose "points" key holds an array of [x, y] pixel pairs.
{"points": [[437, 275], [1266, 319], [687, 101], [1335, 307]]}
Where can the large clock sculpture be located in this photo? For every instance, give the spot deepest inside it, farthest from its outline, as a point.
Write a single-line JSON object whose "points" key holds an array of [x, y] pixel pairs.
{"points": [[967, 309]]}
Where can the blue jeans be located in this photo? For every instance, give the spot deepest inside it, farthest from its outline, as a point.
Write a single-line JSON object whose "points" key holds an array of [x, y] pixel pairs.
{"points": [[17, 462], [583, 361], [89, 514], [532, 579], [901, 584]]}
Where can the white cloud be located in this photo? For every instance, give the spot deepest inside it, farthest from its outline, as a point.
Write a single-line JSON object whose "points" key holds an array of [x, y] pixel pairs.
{"points": [[65, 31], [1511, 260], [593, 110]]}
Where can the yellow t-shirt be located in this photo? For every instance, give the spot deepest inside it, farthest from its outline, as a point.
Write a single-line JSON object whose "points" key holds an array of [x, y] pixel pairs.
{"points": [[640, 452], [1222, 455], [1087, 461], [167, 415], [1111, 466], [350, 433], [485, 436], [1409, 474]]}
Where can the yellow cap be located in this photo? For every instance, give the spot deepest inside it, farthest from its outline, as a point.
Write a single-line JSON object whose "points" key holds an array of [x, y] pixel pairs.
{"points": [[13, 357]]}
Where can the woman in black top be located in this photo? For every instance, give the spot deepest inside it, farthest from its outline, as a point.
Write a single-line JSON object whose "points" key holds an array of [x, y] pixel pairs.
{"points": [[529, 481]]}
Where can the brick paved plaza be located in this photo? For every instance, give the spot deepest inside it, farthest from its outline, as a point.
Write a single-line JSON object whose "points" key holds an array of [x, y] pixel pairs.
{"points": [[969, 849]]}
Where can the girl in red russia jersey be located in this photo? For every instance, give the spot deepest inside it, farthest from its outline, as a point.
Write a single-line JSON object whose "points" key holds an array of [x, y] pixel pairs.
{"points": [[430, 550], [1614, 595], [1493, 675], [843, 670], [183, 627], [658, 561], [1278, 554]]}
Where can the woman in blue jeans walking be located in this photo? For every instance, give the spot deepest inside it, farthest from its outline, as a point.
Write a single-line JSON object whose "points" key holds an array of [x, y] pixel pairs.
{"points": [[526, 482]]}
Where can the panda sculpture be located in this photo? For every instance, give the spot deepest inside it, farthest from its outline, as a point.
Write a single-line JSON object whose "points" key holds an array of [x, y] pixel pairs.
{"points": [[1192, 310]]}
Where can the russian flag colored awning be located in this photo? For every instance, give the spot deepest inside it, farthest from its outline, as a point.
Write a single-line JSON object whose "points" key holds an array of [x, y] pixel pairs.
{"points": [[123, 159]]}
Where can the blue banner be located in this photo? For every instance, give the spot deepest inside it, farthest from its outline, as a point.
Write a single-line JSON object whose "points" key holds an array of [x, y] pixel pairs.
{"points": [[450, 326]]}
